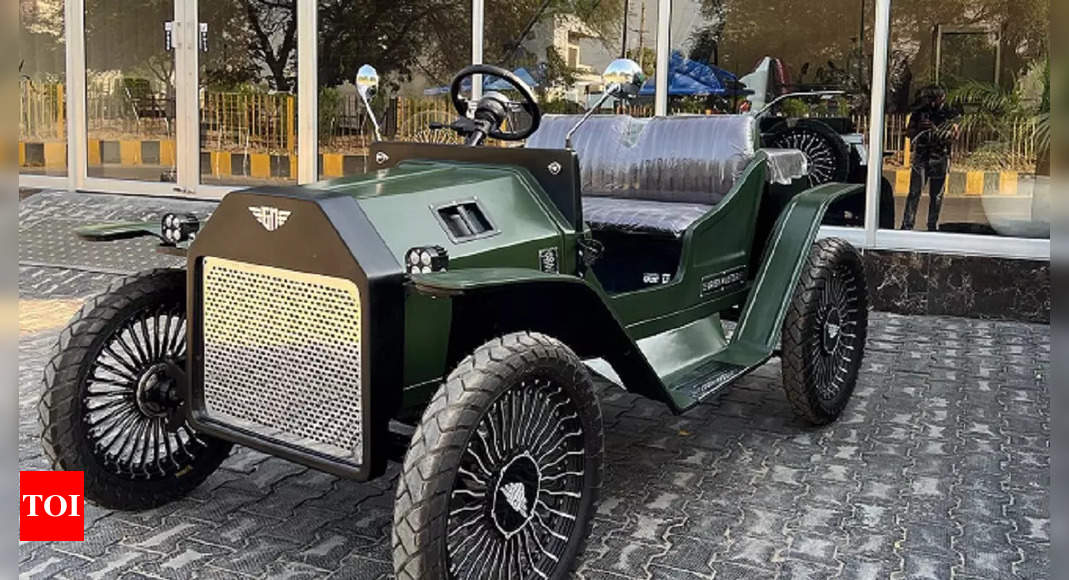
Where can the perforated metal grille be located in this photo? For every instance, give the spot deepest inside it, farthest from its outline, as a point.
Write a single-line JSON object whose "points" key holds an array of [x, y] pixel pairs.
{"points": [[282, 355]]}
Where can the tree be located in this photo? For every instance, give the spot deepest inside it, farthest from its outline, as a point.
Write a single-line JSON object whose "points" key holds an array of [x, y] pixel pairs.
{"points": [[704, 45], [815, 34], [273, 27], [128, 37]]}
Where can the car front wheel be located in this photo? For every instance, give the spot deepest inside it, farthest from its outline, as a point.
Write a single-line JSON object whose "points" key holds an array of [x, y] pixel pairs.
{"points": [[110, 397], [503, 471], [824, 331]]}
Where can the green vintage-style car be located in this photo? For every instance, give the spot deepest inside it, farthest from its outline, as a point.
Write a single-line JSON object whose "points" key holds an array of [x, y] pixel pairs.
{"points": [[463, 297]]}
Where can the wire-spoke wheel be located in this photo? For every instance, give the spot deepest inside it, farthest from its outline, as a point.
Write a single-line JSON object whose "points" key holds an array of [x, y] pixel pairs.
{"points": [[112, 400], [824, 332], [503, 471], [826, 153]]}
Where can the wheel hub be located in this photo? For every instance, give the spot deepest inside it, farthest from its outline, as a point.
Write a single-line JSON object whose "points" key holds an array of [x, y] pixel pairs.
{"points": [[154, 390], [832, 331], [516, 491]]}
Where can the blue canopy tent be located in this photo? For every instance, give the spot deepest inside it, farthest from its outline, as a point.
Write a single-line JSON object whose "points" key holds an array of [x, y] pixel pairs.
{"points": [[489, 84], [692, 78]]}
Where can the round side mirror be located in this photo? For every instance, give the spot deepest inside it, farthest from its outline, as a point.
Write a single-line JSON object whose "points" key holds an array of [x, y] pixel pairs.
{"points": [[367, 81], [624, 78]]}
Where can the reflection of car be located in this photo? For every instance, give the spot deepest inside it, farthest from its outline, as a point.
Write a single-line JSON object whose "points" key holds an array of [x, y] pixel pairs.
{"points": [[458, 295], [836, 151]]}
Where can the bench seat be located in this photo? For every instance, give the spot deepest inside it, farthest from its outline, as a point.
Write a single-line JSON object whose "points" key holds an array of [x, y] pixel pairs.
{"points": [[653, 175], [670, 218]]}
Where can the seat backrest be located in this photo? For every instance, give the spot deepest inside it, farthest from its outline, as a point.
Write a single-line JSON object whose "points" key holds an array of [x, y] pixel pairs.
{"points": [[694, 159]]}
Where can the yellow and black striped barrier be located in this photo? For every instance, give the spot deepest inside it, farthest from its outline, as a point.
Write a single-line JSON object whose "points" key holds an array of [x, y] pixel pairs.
{"points": [[161, 153], [968, 183], [138, 153]]}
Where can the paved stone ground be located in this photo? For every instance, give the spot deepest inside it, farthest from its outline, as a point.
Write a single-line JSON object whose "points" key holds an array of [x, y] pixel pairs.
{"points": [[939, 468]]}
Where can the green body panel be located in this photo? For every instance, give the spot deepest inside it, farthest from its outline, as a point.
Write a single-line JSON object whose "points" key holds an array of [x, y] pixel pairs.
{"points": [[789, 246], [401, 202], [460, 281], [680, 348], [718, 242], [428, 317], [678, 336]]}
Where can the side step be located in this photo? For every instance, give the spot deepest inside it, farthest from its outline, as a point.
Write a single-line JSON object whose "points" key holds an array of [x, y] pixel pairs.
{"points": [[697, 382]]}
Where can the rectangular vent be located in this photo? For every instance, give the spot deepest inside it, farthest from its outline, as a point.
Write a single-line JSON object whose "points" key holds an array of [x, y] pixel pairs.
{"points": [[464, 220]]}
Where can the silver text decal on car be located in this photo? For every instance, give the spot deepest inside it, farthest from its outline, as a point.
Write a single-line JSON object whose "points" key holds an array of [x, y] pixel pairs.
{"points": [[271, 218], [721, 281]]}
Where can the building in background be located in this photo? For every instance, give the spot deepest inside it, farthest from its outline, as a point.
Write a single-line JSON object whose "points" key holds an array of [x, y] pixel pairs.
{"points": [[174, 97]]}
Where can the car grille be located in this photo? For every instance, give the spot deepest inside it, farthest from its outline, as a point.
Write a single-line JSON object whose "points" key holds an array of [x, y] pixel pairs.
{"points": [[282, 356]]}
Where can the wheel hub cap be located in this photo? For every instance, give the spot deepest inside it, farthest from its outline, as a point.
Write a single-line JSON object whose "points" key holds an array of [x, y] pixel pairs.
{"points": [[153, 390], [832, 331], [517, 489]]}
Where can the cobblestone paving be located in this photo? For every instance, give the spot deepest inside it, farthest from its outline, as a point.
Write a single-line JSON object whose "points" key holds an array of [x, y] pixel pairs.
{"points": [[939, 468]]}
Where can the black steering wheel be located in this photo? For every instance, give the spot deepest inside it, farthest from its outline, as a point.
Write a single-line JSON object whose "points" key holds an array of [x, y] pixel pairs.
{"points": [[493, 108]]}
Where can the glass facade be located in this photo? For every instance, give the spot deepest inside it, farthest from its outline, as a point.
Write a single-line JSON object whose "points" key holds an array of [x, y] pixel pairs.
{"points": [[562, 48], [415, 47], [130, 90], [804, 75], [247, 93], [968, 116], [42, 89], [984, 154]]}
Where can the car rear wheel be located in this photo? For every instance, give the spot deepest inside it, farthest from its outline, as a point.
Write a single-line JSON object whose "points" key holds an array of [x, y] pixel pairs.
{"points": [[827, 154], [110, 396], [824, 332], [502, 474]]}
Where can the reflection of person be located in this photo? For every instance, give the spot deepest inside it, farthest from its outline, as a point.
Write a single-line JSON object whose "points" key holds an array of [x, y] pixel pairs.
{"points": [[931, 129]]}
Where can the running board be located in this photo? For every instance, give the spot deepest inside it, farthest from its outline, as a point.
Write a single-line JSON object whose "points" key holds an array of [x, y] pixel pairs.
{"points": [[698, 382]]}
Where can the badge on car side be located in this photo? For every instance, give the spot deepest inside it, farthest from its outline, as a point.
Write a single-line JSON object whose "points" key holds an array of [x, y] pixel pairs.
{"points": [[721, 281], [547, 260]]}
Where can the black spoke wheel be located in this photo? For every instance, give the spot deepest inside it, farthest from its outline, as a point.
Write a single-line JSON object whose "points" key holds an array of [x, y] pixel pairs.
{"points": [[112, 402], [826, 153], [502, 474], [825, 330]]}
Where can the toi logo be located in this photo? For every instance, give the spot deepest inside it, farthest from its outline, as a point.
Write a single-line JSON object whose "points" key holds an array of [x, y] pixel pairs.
{"points": [[51, 506]]}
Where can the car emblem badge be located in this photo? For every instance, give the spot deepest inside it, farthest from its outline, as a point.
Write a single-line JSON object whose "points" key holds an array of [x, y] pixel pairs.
{"points": [[547, 260], [271, 218], [516, 497], [554, 168], [381, 157]]}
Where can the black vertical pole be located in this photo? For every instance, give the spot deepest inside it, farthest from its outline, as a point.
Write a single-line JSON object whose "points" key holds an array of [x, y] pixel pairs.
{"points": [[623, 48]]}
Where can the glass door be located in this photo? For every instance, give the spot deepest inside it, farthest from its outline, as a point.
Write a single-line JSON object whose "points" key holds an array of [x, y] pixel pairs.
{"points": [[247, 92], [130, 90]]}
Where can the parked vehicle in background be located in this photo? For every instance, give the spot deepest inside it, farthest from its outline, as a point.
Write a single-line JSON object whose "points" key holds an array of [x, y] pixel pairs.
{"points": [[834, 148]]}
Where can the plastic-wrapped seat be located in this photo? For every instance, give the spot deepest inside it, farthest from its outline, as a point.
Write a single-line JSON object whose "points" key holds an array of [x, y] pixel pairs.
{"points": [[657, 175]]}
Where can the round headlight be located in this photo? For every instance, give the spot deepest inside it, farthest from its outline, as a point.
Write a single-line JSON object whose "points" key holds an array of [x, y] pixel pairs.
{"points": [[413, 257], [425, 258], [427, 270]]}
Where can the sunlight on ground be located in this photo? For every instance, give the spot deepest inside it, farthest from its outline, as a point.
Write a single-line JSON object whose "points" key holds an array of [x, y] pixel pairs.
{"points": [[41, 315]]}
